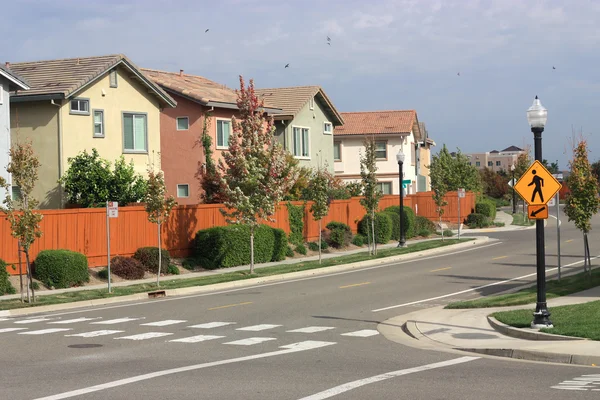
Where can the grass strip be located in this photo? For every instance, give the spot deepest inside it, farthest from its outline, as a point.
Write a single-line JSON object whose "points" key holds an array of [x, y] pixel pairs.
{"points": [[554, 288], [86, 295], [578, 320], [520, 219]]}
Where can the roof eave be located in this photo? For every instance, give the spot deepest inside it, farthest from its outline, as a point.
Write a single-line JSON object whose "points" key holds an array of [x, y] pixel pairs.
{"points": [[17, 82], [14, 98]]}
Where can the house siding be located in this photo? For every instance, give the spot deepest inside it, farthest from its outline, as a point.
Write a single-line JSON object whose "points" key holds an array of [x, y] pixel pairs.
{"points": [[4, 134]]}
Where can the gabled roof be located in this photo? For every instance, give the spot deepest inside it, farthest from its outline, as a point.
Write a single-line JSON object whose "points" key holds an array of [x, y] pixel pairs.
{"points": [[198, 89], [380, 122], [494, 152], [292, 99], [66, 77], [16, 82], [425, 134], [511, 148]]}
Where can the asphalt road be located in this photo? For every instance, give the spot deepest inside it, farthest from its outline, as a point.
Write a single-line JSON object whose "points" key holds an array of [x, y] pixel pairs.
{"points": [[312, 338]]}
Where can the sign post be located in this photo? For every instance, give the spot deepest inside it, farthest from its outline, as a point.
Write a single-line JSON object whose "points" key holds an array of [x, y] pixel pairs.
{"points": [[112, 211], [557, 201], [461, 194]]}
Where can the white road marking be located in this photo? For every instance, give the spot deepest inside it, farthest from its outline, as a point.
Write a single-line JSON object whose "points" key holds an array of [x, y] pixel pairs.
{"points": [[72, 321], [377, 378], [31, 321], [251, 341], [44, 331], [583, 382], [476, 288], [165, 322], [312, 329], [144, 336], [292, 348], [4, 319], [196, 339], [3, 330], [257, 328], [95, 333], [363, 333], [115, 321], [211, 325]]}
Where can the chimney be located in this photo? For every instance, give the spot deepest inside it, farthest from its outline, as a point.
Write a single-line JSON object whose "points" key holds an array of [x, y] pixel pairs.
{"points": [[180, 72], [77, 60], [7, 64]]}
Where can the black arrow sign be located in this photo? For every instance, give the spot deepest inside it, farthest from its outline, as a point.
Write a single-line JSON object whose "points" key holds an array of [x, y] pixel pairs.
{"points": [[536, 212]]}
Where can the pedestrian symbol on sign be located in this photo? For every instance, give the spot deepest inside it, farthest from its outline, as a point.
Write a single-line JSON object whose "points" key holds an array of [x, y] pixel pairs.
{"points": [[539, 184]]}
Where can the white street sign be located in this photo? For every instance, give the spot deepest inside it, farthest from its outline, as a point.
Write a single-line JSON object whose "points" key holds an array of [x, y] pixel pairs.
{"points": [[552, 202], [112, 210], [511, 183], [461, 193]]}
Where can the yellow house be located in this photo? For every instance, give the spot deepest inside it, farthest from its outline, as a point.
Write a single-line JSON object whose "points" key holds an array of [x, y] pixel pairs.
{"points": [[83, 103]]}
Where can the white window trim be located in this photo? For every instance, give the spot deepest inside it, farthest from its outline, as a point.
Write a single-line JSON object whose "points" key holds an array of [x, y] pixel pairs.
{"points": [[188, 190], [386, 150], [217, 133], [113, 71], [131, 151], [324, 131], [177, 123], [292, 143], [311, 103], [94, 134], [77, 112], [341, 146]]}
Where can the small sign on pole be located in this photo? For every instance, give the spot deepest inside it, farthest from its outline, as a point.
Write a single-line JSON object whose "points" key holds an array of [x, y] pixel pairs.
{"points": [[461, 194], [112, 211]]}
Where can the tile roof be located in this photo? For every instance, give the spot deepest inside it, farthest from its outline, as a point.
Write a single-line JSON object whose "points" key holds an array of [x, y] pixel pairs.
{"points": [[18, 83], [292, 99], [66, 77], [379, 122], [512, 148]]}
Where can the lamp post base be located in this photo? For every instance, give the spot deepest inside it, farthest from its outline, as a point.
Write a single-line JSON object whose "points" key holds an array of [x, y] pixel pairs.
{"points": [[401, 244], [541, 317]]}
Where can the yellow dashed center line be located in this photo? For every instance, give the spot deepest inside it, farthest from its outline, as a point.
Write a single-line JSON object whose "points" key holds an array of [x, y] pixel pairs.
{"points": [[354, 285], [441, 269], [230, 305], [499, 258]]}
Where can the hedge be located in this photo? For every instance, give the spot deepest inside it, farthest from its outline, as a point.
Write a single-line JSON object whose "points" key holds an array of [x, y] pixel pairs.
{"points": [[127, 268], [148, 256], [229, 246], [424, 224], [339, 234], [5, 285], [476, 220], [61, 268], [296, 218], [409, 221], [487, 208], [383, 227], [280, 246]]}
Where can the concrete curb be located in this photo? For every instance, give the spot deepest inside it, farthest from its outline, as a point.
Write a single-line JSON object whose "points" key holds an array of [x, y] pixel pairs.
{"points": [[525, 333], [193, 290], [542, 356]]}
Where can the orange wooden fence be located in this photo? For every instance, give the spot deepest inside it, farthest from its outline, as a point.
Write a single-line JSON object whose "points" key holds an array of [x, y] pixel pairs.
{"points": [[84, 229]]}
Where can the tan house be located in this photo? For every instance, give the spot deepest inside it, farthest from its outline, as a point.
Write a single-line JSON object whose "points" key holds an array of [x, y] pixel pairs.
{"points": [[423, 152], [496, 160], [79, 104]]}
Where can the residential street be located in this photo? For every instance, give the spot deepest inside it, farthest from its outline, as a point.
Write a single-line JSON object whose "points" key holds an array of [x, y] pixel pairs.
{"points": [[298, 339]]}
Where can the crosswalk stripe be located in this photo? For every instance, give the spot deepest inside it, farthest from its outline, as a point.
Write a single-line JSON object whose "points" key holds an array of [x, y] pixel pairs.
{"points": [[211, 325], [257, 328], [196, 339], [72, 321], [115, 321], [95, 333], [3, 330], [44, 331], [165, 322], [250, 341], [144, 336], [363, 333], [31, 321], [312, 329]]}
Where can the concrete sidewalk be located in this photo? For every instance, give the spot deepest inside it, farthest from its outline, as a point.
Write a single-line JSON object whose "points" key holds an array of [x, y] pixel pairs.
{"points": [[471, 330]]}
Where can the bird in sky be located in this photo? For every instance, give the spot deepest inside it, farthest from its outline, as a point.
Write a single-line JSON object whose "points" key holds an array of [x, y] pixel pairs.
{"points": [[329, 43], [458, 74], [206, 30], [287, 65], [328, 39], [553, 67]]}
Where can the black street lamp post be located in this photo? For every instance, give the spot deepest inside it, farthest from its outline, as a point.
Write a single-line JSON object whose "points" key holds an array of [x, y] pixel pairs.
{"points": [[400, 159], [537, 116], [512, 168]]}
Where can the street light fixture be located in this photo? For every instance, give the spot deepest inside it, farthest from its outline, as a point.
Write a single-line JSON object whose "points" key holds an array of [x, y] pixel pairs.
{"points": [[537, 116], [512, 168], [400, 159]]}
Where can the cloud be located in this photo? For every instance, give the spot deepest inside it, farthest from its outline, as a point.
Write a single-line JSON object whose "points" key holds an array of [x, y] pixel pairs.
{"points": [[332, 27], [364, 21]]}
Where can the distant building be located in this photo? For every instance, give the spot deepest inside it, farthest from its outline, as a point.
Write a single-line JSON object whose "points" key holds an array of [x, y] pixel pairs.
{"points": [[496, 160]]}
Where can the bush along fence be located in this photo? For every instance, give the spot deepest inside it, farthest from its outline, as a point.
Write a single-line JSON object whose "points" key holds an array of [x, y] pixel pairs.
{"points": [[84, 229]]}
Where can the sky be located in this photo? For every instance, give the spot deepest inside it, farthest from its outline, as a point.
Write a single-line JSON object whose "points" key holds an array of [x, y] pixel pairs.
{"points": [[384, 55]]}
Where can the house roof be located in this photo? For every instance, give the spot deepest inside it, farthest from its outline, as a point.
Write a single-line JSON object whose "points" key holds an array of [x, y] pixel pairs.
{"points": [[16, 82], [511, 148], [65, 78], [292, 99], [494, 152], [380, 122]]}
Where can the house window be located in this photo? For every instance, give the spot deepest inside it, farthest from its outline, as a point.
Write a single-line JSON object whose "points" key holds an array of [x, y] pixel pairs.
{"points": [[301, 142], [328, 128], [311, 103], [183, 123], [16, 193], [223, 132], [183, 190], [80, 106], [477, 164], [135, 138], [337, 151], [490, 163], [381, 150], [385, 187], [113, 78], [98, 123], [498, 163]]}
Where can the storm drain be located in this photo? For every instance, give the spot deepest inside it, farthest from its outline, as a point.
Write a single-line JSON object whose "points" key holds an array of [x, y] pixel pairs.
{"points": [[84, 346], [157, 293]]}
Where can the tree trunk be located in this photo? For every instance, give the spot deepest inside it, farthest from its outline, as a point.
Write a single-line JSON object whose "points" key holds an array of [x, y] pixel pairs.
{"points": [[586, 243], [441, 229], [252, 250], [29, 278], [373, 233], [320, 235], [159, 257], [20, 271]]}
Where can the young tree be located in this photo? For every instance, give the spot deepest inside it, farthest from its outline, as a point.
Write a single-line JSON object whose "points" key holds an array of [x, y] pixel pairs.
{"points": [[208, 175], [596, 170], [371, 192], [438, 170], [523, 163], [318, 192], [158, 207], [494, 184], [255, 174], [582, 202], [24, 222]]}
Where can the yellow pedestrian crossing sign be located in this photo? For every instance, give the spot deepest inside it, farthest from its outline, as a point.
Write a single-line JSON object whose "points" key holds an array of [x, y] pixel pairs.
{"points": [[537, 185]]}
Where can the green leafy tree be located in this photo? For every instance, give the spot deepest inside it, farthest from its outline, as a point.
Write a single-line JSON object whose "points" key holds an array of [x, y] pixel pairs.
{"points": [[126, 186], [523, 163], [494, 184], [318, 193], [255, 172], [371, 192], [582, 202], [158, 207], [438, 170], [596, 170], [208, 174], [551, 167], [24, 222]]}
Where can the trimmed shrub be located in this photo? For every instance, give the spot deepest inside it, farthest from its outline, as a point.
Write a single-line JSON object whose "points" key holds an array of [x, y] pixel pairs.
{"points": [[383, 227], [34, 285], [61, 268], [280, 244], [476, 220], [423, 224], [172, 270], [229, 246], [289, 252], [148, 256], [5, 285], [487, 208], [324, 245], [296, 218], [103, 274], [358, 240], [339, 234], [448, 233], [409, 221], [300, 249], [425, 232], [127, 268], [313, 246]]}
